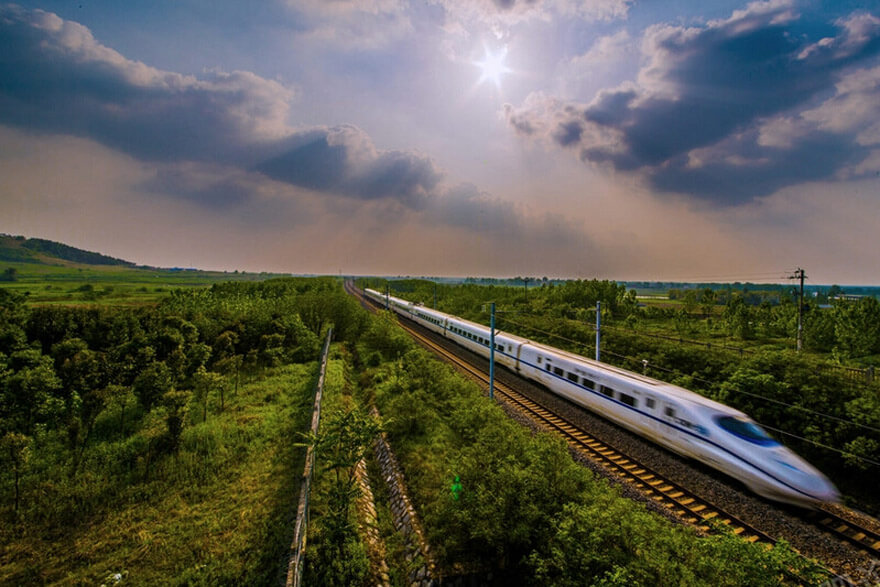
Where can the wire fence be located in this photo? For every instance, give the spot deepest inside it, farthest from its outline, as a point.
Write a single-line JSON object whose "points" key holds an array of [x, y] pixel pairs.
{"points": [[298, 546]]}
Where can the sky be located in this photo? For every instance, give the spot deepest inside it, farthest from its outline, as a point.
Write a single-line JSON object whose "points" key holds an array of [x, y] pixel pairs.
{"points": [[668, 140]]}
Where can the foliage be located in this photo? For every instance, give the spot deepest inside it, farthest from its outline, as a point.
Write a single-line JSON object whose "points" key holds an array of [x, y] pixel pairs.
{"points": [[525, 509], [116, 413], [816, 404]]}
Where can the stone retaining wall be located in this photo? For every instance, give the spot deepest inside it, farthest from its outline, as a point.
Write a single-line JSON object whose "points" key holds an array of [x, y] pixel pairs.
{"points": [[405, 519]]}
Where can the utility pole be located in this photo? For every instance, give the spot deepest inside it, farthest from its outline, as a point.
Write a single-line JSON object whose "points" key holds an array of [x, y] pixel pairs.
{"points": [[435, 295], [492, 354], [598, 325], [799, 274]]}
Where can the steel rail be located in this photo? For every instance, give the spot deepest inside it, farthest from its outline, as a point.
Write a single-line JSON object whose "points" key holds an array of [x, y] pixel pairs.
{"points": [[686, 505]]}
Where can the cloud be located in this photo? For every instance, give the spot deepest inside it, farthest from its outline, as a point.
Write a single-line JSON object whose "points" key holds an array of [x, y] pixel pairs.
{"points": [[56, 78], [343, 160], [605, 50], [353, 25], [729, 111], [222, 142], [501, 15]]}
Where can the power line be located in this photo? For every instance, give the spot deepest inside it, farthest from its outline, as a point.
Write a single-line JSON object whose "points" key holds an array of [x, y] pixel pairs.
{"points": [[781, 275], [707, 382], [712, 384], [825, 446]]}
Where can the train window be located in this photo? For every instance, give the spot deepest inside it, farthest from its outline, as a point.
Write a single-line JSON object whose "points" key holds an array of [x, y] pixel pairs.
{"points": [[558, 370], [548, 366], [606, 390], [649, 402], [539, 360], [571, 377], [670, 412], [628, 400], [747, 430], [589, 383]]}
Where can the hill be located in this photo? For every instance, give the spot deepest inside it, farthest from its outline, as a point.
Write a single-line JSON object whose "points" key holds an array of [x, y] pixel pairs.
{"points": [[37, 250]]}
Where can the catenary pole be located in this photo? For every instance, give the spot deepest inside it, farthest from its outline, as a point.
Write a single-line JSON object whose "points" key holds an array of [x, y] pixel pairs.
{"points": [[492, 353], [799, 274]]}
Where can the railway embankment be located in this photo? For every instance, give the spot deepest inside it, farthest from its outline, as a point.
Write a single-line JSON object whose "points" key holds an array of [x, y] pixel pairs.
{"points": [[524, 509]]}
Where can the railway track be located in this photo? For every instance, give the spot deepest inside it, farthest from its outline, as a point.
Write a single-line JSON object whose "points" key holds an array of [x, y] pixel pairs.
{"points": [[687, 505], [847, 530], [668, 494]]}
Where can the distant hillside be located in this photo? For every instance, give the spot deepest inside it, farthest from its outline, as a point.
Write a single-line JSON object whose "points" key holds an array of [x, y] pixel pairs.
{"points": [[37, 250]]}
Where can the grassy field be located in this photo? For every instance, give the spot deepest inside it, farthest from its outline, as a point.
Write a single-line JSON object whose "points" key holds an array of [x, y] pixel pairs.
{"points": [[72, 284], [218, 512]]}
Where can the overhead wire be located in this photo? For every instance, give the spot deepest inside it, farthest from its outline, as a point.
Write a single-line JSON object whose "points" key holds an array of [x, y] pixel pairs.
{"points": [[736, 389], [825, 446], [710, 383]]}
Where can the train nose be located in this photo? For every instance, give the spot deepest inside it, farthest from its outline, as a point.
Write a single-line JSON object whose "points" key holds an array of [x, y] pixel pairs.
{"points": [[825, 491], [807, 479]]}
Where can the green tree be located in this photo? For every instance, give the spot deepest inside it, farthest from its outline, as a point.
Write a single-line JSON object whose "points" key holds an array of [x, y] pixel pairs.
{"points": [[690, 301], [13, 316], [174, 402], [339, 446], [738, 318], [204, 382], [119, 396], [708, 298], [152, 383], [15, 452], [27, 391], [857, 327]]}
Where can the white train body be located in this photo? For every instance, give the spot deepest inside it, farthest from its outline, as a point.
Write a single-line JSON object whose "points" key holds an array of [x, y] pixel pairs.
{"points": [[680, 420]]}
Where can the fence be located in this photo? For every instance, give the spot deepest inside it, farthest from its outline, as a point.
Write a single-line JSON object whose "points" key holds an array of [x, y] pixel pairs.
{"points": [[298, 547]]}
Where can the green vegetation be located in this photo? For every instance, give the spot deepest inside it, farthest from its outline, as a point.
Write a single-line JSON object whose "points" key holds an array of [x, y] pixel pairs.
{"points": [[161, 444], [808, 399], [158, 443], [526, 511], [336, 554], [53, 273]]}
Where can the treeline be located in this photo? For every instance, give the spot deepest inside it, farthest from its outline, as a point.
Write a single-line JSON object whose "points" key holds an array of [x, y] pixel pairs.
{"points": [[105, 394], [848, 329], [815, 406]]}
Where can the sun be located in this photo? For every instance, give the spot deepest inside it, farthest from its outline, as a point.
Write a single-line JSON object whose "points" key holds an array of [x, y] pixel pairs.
{"points": [[492, 67]]}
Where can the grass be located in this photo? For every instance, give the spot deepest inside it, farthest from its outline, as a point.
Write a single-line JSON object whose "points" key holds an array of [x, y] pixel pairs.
{"points": [[220, 511], [74, 284]]}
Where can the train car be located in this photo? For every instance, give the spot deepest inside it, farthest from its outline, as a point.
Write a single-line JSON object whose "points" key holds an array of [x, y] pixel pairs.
{"points": [[676, 418]]}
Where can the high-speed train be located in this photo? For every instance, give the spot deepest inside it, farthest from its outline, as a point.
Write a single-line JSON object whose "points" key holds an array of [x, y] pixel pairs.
{"points": [[680, 420]]}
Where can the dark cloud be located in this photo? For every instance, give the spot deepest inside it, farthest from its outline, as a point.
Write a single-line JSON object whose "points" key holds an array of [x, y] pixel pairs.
{"points": [[56, 78], [692, 123], [343, 160], [467, 207]]}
